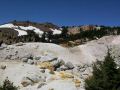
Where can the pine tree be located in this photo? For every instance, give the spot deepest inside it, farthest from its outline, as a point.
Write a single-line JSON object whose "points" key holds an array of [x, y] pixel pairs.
{"points": [[106, 76]]}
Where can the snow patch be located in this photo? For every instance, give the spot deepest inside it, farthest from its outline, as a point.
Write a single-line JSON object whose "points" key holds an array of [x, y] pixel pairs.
{"points": [[21, 29], [56, 31], [21, 32], [8, 26], [36, 30]]}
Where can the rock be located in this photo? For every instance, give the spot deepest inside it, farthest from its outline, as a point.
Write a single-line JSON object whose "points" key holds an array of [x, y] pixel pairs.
{"points": [[51, 88], [1, 48], [82, 69], [63, 68], [69, 65], [20, 44], [35, 62], [35, 79], [37, 58], [25, 60], [41, 84], [25, 82], [8, 57], [54, 59], [30, 80], [44, 65], [55, 63], [13, 57], [61, 61], [58, 69], [43, 70], [48, 58], [28, 56], [3, 67], [30, 61], [16, 52], [4, 45]]}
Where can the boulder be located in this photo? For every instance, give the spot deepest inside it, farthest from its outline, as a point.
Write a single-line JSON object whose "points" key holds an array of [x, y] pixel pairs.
{"points": [[4, 45], [82, 69], [20, 44], [25, 60], [3, 67], [69, 65], [8, 57], [25, 82], [37, 58], [30, 61], [55, 63], [1, 48], [48, 58], [41, 84], [63, 68], [35, 79], [28, 56], [42, 70]]}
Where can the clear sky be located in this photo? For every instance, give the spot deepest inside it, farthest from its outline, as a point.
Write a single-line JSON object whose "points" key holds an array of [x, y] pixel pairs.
{"points": [[62, 12]]}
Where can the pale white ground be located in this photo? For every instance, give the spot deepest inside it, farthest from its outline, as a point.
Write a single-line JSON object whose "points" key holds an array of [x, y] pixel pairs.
{"points": [[16, 71], [83, 55]]}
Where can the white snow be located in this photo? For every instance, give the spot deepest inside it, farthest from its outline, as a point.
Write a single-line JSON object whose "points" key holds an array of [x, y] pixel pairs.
{"points": [[8, 26], [98, 28], [36, 30], [22, 29], [21, 32], [56, 31]]}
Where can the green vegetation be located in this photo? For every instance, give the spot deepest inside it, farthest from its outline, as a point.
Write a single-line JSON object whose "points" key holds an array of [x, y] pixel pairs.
{"points": [[106, 76], [10, 36], [7, 85]]}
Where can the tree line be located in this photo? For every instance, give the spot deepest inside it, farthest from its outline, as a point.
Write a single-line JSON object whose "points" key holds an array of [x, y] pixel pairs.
{"points": [[64, 37]]}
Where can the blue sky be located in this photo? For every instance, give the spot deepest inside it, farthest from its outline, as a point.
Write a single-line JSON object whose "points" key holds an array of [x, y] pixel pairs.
{"points": [[62, 12]]}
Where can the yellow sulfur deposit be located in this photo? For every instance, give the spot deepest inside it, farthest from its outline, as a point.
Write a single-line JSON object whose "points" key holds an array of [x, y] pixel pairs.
{"points": [[77, 82], [65, 75], [44, 65]]}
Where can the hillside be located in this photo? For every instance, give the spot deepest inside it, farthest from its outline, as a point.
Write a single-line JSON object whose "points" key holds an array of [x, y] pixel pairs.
{"points": [[50, 65], [67, 36]]}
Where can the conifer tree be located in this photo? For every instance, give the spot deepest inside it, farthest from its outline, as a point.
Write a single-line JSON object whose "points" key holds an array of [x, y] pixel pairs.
{"points": [[106, 75]]}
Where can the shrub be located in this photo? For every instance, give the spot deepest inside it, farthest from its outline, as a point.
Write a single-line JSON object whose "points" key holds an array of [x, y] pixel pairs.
{"points": [[7, 85]]}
